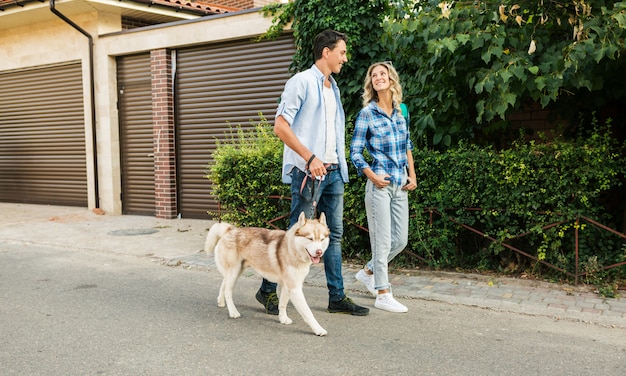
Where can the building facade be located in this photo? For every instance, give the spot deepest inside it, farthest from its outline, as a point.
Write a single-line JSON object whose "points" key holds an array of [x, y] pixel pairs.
{"points": [[118, 105]]}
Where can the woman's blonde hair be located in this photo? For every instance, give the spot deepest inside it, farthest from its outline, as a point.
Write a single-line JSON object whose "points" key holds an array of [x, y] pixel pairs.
{"points": [[369, 94]]}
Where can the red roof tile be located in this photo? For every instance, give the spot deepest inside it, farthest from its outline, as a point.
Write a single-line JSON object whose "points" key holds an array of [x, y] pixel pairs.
{"points": [[193, 6]]}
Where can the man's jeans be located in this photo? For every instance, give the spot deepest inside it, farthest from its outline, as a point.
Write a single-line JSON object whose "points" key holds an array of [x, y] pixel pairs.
{"points": [[388, 221], [326, 197]]}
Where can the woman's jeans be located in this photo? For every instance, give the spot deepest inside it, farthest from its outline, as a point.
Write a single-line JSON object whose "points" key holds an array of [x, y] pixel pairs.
{"points": [[388, 221], [320, 196]]}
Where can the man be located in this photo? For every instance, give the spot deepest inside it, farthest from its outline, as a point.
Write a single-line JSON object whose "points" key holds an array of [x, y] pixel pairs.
{"points": [[311, 122]]}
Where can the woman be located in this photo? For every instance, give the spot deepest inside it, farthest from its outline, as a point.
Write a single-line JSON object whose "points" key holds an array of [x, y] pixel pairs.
{"points": [[383, 130]]}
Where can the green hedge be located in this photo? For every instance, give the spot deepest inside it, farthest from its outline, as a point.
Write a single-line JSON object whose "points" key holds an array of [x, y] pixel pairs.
{"points": [[502, 193], [246, 176]]}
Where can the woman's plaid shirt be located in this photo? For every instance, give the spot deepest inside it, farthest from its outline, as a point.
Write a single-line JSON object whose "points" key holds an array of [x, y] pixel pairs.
{"points": [[386, 140]]}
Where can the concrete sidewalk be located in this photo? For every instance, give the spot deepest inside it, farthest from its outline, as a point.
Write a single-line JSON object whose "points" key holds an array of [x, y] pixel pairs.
{"points": [[178, 242]]}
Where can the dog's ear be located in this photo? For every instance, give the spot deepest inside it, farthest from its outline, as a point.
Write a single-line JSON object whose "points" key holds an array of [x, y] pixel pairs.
{"points": [[301, 220], [323, 218]]}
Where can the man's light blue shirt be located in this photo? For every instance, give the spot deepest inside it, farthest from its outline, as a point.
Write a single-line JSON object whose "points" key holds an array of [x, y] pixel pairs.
{"points": [[302, 106]]}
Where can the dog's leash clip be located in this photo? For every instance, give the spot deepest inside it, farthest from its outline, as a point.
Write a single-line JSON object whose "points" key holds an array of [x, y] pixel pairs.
{"points": [[319, 180]]}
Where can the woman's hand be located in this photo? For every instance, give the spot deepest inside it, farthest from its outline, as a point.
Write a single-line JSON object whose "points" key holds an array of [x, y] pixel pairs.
{"points": [[380, 181], [411, 184]]}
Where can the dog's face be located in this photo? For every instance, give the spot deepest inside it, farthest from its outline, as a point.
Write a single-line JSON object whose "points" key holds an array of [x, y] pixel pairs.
{"points": [[312, 235]]}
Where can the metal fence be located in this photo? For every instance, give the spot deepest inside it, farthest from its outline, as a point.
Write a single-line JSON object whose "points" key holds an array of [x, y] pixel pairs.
{"points": [[576, 274]]}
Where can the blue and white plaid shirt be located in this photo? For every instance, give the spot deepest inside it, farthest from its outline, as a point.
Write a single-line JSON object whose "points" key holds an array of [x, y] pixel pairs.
{"points": [[386, 139]]}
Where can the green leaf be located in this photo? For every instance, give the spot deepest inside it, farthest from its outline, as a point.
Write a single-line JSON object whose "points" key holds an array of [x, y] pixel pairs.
{"points": [[463, 38], [540, 82], [506, 75], [518, 72], [510, 98], [478, 41], [534, 69], [489, 84], [450, 44], [478, 88], [486, 56], [447, 140], [621, 19], [437, 138]]}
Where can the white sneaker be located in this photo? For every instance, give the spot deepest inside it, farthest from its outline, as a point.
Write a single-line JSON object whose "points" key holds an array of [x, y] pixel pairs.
{"points": [[388, 303], [367, 280]]}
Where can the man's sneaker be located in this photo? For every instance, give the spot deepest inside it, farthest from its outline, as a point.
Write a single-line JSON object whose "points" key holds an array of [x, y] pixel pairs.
{"points": [[347, 306], [367, 280], [269, 301], [388, 303]]}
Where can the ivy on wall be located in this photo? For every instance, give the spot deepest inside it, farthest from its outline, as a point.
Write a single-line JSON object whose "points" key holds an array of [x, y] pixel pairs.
{"points": [[362, 21]]}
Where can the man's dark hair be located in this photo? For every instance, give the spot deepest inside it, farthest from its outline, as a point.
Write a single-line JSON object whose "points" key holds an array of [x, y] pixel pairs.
{"points": [[327, 38]]}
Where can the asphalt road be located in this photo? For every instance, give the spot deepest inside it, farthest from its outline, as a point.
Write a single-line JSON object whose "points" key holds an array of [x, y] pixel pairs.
{"points": [[69, 312]]}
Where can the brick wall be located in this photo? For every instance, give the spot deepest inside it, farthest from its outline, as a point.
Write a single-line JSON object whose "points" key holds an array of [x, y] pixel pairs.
{"points": [[530, 121], [535, 120], [163, 134]]}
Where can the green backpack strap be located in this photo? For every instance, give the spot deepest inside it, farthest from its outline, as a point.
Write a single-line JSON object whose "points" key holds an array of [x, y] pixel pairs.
{"points": [[405, 111]]}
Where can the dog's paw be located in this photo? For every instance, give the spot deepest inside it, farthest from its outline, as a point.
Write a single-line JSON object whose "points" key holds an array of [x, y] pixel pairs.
{"points": [[285, 320], [234, 315], [221, 305], [321, 332]]}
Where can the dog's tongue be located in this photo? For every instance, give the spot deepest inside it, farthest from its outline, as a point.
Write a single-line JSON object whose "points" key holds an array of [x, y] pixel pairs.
{"points": [[315, 260]]}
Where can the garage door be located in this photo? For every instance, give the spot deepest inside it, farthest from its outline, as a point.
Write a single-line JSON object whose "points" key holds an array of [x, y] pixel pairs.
{"points": [[221, 86], [136, 129], [42, 136]]}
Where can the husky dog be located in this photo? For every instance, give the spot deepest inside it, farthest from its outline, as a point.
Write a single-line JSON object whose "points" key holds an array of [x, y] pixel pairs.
{"points": [[284, 257]]}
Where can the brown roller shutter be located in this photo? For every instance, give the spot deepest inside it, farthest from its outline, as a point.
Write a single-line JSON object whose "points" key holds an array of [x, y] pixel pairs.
{"points": [[220, 86], [42, 136], [136, 140]]}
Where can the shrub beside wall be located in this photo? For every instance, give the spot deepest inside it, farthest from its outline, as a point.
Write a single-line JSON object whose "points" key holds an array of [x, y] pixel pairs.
{"points": [[503, 193], [521, 190], [246, 174]]}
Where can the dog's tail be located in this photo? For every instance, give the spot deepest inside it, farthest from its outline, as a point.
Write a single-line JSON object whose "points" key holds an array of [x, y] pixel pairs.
{"points": [[215, 234]]}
